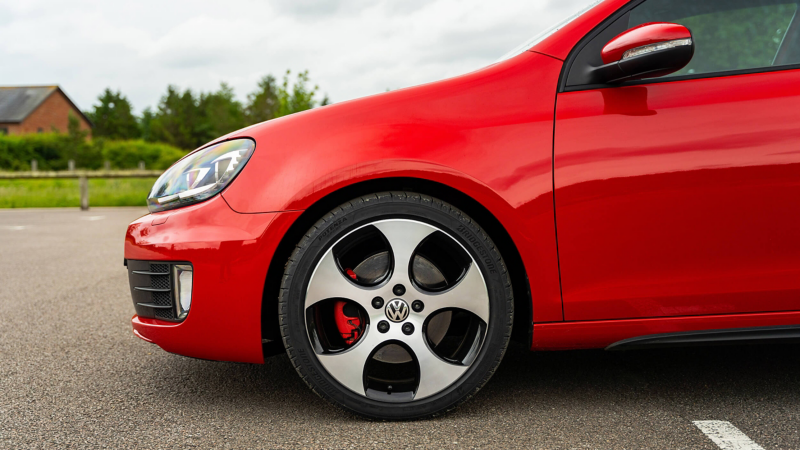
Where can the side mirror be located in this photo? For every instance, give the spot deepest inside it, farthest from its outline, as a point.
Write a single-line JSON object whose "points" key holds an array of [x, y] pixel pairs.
{"points": [[647, 51]]}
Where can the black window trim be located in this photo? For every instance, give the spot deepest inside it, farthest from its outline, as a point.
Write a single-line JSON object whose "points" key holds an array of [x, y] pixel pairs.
{"points": [[567, 66]]}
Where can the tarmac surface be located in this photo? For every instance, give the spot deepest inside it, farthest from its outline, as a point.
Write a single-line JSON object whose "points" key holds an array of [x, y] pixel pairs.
{"points": [[73, 375]]}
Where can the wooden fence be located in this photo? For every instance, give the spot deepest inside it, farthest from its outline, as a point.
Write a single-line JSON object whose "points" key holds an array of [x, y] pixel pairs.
{"points": [[83, 177]]}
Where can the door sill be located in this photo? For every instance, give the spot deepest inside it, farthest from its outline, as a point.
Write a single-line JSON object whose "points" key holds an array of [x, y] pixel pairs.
{"points": [[730, 336]]}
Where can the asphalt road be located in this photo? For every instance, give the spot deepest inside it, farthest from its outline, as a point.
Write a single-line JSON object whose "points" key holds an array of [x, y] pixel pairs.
{"points": [[72, 375]]}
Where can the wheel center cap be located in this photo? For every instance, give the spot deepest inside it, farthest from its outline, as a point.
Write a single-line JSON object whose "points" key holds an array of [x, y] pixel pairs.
{"points": [[397, 310]]}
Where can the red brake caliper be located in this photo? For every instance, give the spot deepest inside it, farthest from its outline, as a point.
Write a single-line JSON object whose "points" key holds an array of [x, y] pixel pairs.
{"points": [[348, 322], [349, 326]]}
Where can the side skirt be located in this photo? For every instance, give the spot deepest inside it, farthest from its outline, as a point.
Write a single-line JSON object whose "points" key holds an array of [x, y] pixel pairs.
{"points": [[759, 335], [768, 327]]}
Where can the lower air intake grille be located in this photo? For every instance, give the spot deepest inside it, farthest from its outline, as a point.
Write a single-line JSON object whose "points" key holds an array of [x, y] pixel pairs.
{"points": [[152, 289], [162, 299], [165, 314], [160, 281], [159, 268]]}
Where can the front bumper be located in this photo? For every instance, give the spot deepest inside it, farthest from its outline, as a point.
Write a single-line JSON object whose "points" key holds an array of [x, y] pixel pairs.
{"points": [[230, 254]]}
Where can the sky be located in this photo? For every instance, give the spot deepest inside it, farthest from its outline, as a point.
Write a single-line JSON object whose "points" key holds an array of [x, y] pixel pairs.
{"points": [[351, 48]]}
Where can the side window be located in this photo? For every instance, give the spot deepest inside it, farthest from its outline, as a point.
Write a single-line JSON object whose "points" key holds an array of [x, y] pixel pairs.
{"points": [[729, 35], [3, 131]]}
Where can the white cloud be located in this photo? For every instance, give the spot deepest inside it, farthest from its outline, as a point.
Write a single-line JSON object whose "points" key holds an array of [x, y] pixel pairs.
{"points": [[352, 48]]}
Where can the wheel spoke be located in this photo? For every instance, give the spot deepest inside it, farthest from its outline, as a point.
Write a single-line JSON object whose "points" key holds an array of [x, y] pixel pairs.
{"points": [[404, 236], [327, 281], [469, 294], [348, 367], [435, 374]]}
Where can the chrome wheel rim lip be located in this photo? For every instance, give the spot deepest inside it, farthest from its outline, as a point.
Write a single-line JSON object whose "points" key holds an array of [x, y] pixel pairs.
{"points": [[470, 294]]}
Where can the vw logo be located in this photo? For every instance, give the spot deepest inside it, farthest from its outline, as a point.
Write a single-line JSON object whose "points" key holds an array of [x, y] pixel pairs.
{"points": [[397, 310]]}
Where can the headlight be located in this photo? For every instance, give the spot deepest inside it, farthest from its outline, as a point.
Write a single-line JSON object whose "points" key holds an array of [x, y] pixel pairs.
{"points": [[200, 176]]}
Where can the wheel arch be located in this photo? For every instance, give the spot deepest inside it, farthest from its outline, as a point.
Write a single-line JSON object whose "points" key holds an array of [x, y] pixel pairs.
{"points": [[523, 308]]}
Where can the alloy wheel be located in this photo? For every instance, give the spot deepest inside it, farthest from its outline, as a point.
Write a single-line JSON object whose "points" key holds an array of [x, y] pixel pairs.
{"points": [[396, 310]]}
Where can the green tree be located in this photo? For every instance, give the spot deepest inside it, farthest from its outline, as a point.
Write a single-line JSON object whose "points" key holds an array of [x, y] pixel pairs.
{"points": [[146, 123], [84, 154], [263, 104], [113, 117], [273, 100], [177, 119], [187, 120], [76, 135], [298, 96], [220, 113]]}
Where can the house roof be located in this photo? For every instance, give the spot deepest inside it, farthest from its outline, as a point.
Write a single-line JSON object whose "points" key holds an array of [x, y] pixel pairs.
{"points": [[18, 102]]}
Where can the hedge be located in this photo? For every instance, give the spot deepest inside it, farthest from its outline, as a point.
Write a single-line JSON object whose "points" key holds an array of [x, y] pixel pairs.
{"points": [[52, 151]]}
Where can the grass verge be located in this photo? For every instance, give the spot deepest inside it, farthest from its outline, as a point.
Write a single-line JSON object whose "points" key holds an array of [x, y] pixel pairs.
{"points": [[50, 193]]}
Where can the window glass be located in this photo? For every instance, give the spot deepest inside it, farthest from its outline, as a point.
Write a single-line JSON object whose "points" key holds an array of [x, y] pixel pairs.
{"points": [[730, 35], [3, 131]]}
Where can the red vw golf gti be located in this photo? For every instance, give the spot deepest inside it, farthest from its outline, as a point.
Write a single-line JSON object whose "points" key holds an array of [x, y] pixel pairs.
{"points": [[628, 179]]}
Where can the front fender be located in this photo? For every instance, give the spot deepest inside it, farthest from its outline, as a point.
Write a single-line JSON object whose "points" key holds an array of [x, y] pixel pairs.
{"points": [[488, 134]]}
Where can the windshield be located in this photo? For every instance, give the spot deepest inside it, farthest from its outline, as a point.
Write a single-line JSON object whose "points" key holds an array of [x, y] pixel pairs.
{"points": [[547, 33]]}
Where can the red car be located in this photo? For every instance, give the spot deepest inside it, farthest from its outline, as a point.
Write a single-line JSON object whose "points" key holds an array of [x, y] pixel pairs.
{"points": [[628, 179]]}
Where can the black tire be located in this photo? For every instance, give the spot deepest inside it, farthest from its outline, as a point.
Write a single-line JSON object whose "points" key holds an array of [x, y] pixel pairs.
{"points": [[365, 210]]}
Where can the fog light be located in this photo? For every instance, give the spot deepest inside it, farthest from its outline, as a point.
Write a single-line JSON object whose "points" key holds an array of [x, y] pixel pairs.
{"points": [[183, 288]]}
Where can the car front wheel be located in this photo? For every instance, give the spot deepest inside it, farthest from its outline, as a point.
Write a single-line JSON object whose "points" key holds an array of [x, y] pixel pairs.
{"points": [[396, 306]]}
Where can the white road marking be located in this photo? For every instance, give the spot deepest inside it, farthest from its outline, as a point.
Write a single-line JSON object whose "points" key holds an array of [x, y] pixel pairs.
{"points": [[725, 435], [93, 218], [15, 227]]}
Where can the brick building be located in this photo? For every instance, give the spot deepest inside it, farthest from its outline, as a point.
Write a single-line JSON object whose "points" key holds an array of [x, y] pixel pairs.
{"points": [[37, 109]]}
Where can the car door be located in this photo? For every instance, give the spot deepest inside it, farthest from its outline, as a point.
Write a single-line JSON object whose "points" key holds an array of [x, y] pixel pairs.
{"points": [[680, 195]]}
